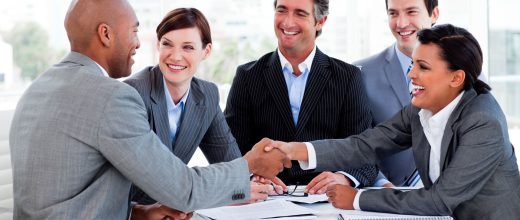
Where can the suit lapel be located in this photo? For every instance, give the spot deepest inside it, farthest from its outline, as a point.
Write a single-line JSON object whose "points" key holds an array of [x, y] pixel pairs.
{"points": [[316, 83], [159, 110], [277, 87], [421, 150], [447, 137], [192, 117], [393, 73]]}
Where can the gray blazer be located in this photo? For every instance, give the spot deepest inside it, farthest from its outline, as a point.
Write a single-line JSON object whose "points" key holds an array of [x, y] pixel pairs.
{"points": [[79, 139], [387, 94], [479, 175], [202, 124]]}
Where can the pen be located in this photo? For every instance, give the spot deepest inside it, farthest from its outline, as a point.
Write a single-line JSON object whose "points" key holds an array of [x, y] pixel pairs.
{"points": [[340, 217]]}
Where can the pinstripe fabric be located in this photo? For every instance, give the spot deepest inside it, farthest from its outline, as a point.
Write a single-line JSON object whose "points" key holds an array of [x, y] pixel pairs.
{"points": [[334, 106], [202, 122]]}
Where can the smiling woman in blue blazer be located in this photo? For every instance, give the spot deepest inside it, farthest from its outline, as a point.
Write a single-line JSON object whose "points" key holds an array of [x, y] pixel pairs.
{"points": [[457, 132], [183, 110]]}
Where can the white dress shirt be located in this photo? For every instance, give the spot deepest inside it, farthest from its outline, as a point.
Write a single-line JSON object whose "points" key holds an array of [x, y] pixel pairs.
{"points": [[433, 127]]}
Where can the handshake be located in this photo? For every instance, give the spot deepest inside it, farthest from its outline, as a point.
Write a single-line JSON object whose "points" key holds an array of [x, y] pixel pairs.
{"points": [[268, 157]]}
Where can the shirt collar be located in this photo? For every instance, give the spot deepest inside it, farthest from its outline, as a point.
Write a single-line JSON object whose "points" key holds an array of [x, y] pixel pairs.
{"points": [[443, 115], [169, 101], [405, 61], [305, 65], [102, 70]]}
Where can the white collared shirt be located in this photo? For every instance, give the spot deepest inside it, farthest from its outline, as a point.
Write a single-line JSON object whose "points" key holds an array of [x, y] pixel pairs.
{"points": [[433, 128], [174, 111], [296, 84]]}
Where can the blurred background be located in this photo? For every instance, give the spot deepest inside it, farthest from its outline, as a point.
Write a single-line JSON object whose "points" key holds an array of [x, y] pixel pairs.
{"points": [[32, 38]]}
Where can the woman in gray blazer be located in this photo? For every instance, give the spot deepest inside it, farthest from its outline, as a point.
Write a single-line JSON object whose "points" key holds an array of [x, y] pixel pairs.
{"points": [[457, 132], [182, 109]]}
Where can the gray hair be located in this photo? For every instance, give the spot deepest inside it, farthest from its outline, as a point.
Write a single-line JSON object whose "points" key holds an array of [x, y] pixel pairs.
{"points": [[321, 9]]}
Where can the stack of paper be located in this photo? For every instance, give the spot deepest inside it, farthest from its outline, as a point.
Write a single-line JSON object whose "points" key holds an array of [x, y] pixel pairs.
{"points": [[261, 210]]}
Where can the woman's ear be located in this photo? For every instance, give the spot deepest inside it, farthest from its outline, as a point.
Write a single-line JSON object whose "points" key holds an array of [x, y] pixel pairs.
{"points": [[207, 51], [458, 78]]}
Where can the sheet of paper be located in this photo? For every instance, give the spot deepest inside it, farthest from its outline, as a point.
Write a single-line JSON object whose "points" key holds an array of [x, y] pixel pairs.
{"points": [[307, 199], [267, 209]]}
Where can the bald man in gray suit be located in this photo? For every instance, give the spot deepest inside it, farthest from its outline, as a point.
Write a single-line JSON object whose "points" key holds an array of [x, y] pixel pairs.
{"points": [[79, 138]]}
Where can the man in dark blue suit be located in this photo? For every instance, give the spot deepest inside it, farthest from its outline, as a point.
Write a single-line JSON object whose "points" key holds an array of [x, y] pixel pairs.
{"points": [[297, 93]]}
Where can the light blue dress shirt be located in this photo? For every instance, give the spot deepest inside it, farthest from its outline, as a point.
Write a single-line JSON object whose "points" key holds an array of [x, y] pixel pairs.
{"points": [[296, 84], [174, 111]]}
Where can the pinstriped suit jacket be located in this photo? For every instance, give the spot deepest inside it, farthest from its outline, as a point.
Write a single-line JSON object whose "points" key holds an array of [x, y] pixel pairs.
{"points": [[334, 106], [387, 94], [202, 123]]}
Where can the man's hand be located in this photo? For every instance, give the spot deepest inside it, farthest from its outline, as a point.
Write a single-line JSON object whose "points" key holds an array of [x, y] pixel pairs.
{"points": [[320, 183], [266, 164], [342, 196], [159, 212]]}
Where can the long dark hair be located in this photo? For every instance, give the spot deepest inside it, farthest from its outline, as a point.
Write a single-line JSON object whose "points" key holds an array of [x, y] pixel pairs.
{"points": [[460, 50]]}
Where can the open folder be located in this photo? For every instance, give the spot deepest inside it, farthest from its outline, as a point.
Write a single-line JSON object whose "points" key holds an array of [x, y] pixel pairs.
{"points": [[262, 210]]}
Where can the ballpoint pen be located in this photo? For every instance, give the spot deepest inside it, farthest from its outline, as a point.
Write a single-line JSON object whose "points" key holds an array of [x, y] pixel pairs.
{"points": [[340, 217]]}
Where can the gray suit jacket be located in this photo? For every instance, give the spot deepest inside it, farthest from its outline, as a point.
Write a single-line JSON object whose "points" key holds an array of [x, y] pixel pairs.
{"points": [[479, 175], [202, 124], [78, 139], [387, 94]]}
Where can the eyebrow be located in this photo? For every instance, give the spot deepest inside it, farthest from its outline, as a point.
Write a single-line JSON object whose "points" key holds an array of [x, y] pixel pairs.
{"points": [[297, 10], [406, 9], [421, 61], [186, 42]]}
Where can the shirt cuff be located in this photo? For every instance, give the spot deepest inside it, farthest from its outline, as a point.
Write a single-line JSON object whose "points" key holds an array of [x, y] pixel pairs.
{"points": [[353, 179], [381, 182], [356, 200], [311, 156]]}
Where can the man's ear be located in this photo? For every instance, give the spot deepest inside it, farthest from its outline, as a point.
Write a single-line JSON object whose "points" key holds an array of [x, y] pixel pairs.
{"points": [[105, 34], [320, 23], [458, 78]]}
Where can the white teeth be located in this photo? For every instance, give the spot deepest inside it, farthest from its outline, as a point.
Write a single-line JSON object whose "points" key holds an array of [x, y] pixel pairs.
{"points": [[290, 32], [416, 87], [176, 67], [405, 33]]}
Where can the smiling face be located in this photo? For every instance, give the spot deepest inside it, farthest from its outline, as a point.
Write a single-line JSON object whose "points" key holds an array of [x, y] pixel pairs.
{"points": [[434, 84], [406, 18], [295, 26], [125, 45], [180, 53]]}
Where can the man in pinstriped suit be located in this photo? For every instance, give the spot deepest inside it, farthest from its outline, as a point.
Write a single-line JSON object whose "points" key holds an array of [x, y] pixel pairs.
{"points": [[298, 93]]}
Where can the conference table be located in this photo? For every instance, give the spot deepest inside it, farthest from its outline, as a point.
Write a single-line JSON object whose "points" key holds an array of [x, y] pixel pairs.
{"points": [[325, 211]]}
